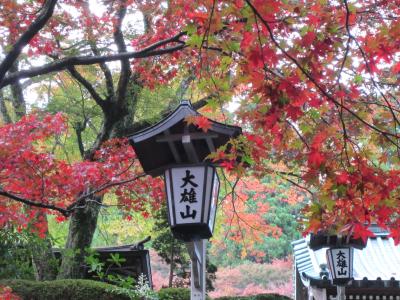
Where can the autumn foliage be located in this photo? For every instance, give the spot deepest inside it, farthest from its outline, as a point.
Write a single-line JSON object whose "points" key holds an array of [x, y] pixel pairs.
{"points": [[7, 294], [318, 87], [32, 174], [252, 279], [316, 82]]}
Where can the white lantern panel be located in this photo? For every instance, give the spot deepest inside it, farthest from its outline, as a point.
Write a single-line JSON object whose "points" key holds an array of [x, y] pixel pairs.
{"points": [[340, 261], [188, 193], [208, 187], [168, 190], [214, 200]]}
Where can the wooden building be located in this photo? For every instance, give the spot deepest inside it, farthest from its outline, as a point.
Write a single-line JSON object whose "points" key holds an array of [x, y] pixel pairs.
{"points": [[136, 261]]}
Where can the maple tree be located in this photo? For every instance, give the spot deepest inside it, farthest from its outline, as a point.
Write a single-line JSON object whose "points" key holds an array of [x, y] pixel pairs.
{"points": [[45, 29], [316, 82]]}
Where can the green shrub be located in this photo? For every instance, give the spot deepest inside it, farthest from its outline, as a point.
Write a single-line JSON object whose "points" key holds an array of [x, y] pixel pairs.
{"points": [[257, 297], [175, 294], [80, 289], [69, 289]]}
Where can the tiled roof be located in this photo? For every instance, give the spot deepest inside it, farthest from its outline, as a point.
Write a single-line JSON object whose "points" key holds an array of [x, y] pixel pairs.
{"points": [[379, 259]]}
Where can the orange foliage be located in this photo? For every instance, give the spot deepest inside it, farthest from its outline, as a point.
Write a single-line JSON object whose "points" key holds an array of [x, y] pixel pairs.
{"points": [[245, 225], [251, 279]]}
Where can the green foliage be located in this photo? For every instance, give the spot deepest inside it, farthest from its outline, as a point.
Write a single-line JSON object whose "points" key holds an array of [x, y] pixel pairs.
{"points": [[112, 227], [15, 258], [97, 267], [175, 251], [282, 214], [152, 103], [79, 289], [122, 285], [58, 231], [68, 289], [174, 294], [16, 251], [142, 290], [92, 260], [167, 247], [257, 297]]}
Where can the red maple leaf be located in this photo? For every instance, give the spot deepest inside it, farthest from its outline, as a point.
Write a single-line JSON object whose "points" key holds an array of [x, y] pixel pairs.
{"points": [[203, 123], [308, 38], [316, 158], [227, 164], [342, 178], [362, 231], [395, 234]]}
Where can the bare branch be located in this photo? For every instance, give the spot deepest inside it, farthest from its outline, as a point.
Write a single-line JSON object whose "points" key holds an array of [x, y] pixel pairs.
{"points": [[79, 128], [298, 185], [64, 63]]}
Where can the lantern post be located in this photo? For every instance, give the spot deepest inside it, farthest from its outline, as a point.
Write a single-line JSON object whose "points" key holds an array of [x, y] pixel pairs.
{"points": [[179, 152]]}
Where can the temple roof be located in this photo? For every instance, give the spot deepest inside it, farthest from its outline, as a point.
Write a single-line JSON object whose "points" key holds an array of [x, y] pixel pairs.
{"points": [[378, 262]]}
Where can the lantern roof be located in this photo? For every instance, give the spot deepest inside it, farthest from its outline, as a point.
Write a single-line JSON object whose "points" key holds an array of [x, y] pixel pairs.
{"points": [[172, 142]]}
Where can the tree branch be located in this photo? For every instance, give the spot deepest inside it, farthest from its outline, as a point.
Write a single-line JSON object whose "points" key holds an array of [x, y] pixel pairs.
{"points": [[100, 189], [298, 134], [26, 37], [61, 210], [79, 128], [120, 42], [106, 71], [76, 204], [88, 86], [64, 63], [386, 134]]}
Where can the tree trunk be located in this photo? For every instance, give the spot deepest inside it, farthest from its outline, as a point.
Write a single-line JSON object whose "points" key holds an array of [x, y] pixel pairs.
{"points": [[18, 99], [82, 227], [118, 112], [43, 260], [3, 109]]}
